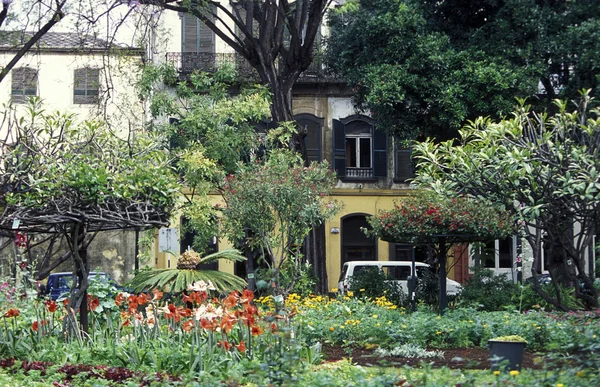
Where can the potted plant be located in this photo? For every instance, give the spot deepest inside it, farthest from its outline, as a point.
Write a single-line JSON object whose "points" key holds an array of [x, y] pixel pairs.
{"points": [[507, 348]]}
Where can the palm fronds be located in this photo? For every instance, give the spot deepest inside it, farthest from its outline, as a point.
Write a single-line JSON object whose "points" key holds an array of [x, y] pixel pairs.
{"points": [[177, 280]]}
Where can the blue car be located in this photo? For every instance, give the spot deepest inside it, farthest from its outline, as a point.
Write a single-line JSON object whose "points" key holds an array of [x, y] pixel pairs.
{"points": [[59, 284]]}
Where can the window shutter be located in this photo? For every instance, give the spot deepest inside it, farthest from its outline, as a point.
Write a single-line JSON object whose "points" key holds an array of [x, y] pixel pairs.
{"points": [[404, 170], [379, 153], [86, 85], [207, 36], [23, 84], [339, 148], [190, 33]]}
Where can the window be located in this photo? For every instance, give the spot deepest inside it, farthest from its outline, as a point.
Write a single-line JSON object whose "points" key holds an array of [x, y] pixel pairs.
{"points": [[311, 126], [86, 86], [24, 84], [360, 151], [496, 255], [403, 164], [197, 43]]}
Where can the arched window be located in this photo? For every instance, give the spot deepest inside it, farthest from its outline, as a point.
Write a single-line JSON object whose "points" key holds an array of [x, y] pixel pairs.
{"points": [[312, 127]]}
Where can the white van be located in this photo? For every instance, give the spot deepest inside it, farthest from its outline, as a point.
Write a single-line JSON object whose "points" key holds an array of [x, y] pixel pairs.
{"points": [[396, 270]]}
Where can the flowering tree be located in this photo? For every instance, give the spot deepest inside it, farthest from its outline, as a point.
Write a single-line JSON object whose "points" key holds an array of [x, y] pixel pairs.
{"points": [[278, 201], [424, 218], [545, 170], [427, 218]]}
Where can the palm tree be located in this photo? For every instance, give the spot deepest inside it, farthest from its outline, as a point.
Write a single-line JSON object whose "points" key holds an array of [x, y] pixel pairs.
{"points": [[187, 272]]}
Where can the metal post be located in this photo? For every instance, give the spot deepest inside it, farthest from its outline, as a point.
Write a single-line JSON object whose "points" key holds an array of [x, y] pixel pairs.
{"points": [[413, 295], [442, 259]]}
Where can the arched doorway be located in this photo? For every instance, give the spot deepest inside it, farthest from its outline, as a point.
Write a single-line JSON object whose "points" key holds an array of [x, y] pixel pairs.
{"points": [[356, 246]]}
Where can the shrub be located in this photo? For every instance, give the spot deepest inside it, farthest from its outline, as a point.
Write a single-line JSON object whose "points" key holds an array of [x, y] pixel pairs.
{"points": [[373, 283], [488, 291]]}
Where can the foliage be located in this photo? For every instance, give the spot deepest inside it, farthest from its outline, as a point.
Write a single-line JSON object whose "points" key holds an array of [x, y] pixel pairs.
{"points": [[423, 217], [278, 201], [487, 291], [162, 342], [179, 279], [372, 283], [542, 168], [426, 67], [55, 167], [510, 338]]}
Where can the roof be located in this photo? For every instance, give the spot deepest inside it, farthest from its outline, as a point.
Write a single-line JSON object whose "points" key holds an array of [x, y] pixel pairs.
{"points": [[58, 41]]}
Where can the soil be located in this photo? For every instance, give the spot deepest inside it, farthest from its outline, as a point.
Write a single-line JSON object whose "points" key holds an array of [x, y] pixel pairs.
{"points": [[458, 358]]}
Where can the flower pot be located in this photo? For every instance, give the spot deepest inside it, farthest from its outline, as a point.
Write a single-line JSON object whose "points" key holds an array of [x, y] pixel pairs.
{"points": [[511, 351]]}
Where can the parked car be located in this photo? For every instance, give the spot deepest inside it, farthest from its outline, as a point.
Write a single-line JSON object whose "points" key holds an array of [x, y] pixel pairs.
{"points": [[545, 279], [397, 271], [59, 284]]}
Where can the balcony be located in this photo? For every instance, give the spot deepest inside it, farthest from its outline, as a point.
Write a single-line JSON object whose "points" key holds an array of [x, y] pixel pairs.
{"points": [[187, 62], [359, 173]]}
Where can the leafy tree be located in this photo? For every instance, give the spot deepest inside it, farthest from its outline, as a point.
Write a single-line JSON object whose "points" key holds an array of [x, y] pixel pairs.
{"points": [[542, 168], [277, 38], [278, 202], [77, 180], [426, 67]]}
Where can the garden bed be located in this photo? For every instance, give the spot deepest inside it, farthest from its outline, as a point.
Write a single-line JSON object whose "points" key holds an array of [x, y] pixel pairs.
{"points": [[455, 358]]}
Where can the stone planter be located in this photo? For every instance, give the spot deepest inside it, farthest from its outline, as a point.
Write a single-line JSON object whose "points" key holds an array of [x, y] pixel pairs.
{"points": [[502, 351]]}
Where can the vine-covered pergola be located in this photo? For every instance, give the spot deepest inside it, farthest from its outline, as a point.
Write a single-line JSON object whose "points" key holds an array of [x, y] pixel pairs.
{"points": [[426, 218]]}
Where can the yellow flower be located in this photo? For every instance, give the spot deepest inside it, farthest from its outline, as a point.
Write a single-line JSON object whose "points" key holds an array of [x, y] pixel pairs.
{"points": [[560, 385], [362, 290], [438, 333], [350, 294], [514, 373], [580, 373], [496, 373], [378, 325], [375, 316], [331, 329], [334, 290]]}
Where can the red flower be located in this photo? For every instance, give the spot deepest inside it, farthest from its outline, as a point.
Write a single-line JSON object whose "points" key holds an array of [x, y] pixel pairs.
{"points": [[224, 344], [93, 302], [241, 346], [120, 299], [12, 313], [256, 330], [157, 295], [51, 305], [188, 325]]}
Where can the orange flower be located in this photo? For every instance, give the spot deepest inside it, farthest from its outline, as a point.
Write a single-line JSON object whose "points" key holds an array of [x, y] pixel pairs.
{"points": [[158, 295], [227, 323], [274, 328], [247, 296], [231, 300], [12, 313], [224, 344], [256, 330], [126, 323], [142, 299], [205, 324], [241, 346], [120, 299], [37, 324], [93, 302], [51, 305], [66, 302], [188, 325]]}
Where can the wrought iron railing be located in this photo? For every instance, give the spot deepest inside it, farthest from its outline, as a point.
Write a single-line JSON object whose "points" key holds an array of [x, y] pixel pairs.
{"points": [[187, 62]]}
